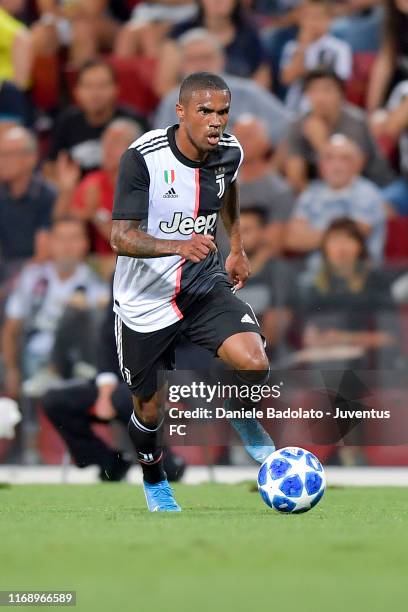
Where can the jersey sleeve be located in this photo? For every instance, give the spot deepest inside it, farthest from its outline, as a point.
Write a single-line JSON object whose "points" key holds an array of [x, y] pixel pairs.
{"points": [[240, 159], [132, 187]]}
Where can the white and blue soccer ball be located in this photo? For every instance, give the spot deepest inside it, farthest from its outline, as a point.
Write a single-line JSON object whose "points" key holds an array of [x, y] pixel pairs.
{"points": [[291, 480]]}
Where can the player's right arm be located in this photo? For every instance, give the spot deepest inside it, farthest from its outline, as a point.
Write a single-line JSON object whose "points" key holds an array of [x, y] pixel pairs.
{"points": [[131, 206], [127, 239]]}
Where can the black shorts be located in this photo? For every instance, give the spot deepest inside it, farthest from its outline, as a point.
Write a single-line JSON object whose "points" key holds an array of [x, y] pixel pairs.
{"points": [[208, 322]]}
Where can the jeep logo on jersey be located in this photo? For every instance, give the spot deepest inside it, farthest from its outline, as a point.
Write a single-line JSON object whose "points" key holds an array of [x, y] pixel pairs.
{"points": [[169, 176], [220, 180], [189, 225]]}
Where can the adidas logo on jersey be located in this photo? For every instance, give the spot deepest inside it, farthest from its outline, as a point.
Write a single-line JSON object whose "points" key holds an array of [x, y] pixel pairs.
{"points": [[247, 319], [200, 225], [171, 193]]}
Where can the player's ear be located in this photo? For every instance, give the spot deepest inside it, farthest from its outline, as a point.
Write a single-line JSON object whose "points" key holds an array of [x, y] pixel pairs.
{"points": [[180, 111]]}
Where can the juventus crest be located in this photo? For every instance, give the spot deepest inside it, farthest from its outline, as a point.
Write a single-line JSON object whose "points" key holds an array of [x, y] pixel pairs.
{"points": [[220, 180]]}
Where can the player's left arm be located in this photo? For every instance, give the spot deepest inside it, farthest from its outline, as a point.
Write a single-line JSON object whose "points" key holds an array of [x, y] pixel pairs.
{"points": [[237, 264]]}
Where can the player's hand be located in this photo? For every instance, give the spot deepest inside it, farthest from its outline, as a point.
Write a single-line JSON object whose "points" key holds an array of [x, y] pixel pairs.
{"points": [[238, 269], [197, 248]]}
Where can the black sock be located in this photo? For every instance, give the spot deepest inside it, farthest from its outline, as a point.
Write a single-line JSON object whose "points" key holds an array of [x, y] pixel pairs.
{"points": [[146, 441], [247, 379]]}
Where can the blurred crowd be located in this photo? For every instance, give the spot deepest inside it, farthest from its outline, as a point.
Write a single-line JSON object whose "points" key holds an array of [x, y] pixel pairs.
{"points": [[320, 106]]}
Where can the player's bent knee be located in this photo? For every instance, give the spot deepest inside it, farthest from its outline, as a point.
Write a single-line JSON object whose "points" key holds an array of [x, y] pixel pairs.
{"points": [[256, 362], [147, 410]]}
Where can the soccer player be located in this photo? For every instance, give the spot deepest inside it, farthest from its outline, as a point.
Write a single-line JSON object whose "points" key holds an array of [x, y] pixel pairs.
{"points": [[169, 280]]}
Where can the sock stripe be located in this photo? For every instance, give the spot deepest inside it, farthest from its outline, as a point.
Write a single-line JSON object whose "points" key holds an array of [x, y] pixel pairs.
{"points": [[142, 427]]}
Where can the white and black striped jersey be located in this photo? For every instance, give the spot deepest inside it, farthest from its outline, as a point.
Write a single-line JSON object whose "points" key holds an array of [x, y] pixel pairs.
{"points": [[173, 197]]}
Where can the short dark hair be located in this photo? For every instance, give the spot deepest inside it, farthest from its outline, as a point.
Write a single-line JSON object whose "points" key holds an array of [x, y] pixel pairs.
{"points": [[95, 63], [257, 211], [198, 81], [322, 72]]}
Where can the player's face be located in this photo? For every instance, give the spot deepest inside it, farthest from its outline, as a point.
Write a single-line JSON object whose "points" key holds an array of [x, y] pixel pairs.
{"points": [[205, 117]]}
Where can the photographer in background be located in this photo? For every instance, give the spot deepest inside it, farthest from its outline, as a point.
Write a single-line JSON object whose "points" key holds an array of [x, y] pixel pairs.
{"points": [[75, 407]]}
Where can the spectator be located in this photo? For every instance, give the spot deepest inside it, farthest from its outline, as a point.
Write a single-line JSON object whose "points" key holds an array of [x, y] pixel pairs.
{"points": [[16, 53], [199, 50], [267, 288], [358, 22], [242, 45], [329, 115], [26, 200], [349, 325], [260, 185], [91, 200], [347, 297], [14, 107], [73, 408], [82, 28], [78, 130], [149, 25], [313, 48], [391, 64], [38, 302], [392, 123], [340, 192]]}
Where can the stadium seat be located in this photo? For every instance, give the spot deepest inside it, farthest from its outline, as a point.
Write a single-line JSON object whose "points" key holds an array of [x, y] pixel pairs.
{"points": [[135, 77], [388, 438], [357, 85], [46, 82], [396, 246]]}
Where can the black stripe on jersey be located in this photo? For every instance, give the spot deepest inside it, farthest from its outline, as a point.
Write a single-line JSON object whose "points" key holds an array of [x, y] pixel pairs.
{"points": [[227, 137], [151, 143], [154, 149]]}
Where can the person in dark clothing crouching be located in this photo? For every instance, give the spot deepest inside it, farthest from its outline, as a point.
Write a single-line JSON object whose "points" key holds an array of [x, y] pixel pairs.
{"points": [[74, 407]]}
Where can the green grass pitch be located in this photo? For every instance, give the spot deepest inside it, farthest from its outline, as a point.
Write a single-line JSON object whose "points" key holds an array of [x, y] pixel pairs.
{"points": [[226, 552]]}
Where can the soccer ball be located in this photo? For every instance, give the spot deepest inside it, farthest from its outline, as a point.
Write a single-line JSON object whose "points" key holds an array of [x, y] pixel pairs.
{"points": [[291, 480]]}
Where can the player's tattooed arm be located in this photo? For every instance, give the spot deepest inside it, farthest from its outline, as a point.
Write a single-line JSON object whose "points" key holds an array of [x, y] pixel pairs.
{"points": [[237, 264], [127, 239], [230, 217]]}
